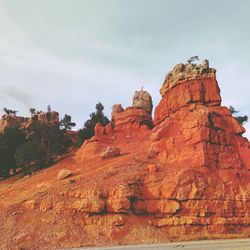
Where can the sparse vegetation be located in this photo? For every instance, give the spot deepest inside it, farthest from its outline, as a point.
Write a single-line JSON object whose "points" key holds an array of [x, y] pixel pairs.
{"points": [[66, 123], [39, 144], [44, 142], [89, 126], [10, 111], [10, 140], [34, 146], [193, 59], [241, 119]]}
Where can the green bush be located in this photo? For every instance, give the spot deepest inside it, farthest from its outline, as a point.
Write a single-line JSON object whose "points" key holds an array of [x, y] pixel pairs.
{"points": [[10, 140], [89, 126]]}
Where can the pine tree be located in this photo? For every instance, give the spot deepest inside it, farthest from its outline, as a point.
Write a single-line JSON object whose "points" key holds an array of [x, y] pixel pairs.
{"points": [[240, 119], [89, 126], [10, 140], [66, 123]]}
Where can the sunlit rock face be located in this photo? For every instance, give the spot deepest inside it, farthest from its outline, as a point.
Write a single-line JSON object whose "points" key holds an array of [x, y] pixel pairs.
{"points": [[192, 129], [187, 84], [195, 161], [183, 176], [138, 116]]}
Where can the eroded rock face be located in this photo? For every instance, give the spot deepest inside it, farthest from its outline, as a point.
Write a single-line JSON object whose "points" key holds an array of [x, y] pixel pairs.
{"points": [[187, 72], [116, 109], [10, 120], [204, 160], [142, 99], [24, 122], [185, 85], [129, 120], [188, 175], [191, 128]]}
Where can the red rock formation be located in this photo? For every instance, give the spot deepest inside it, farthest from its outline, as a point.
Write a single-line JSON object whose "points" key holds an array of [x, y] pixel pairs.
{"points": [[185, 178], [190, 121], [202, 178], [133, 122], [131, 119], [135, 117], [201, 146], [10, 120], [13, 120]]}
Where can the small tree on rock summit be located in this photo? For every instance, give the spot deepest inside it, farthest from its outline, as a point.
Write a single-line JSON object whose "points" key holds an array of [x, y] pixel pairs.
{"points": [[240, 119], [192, 59]]}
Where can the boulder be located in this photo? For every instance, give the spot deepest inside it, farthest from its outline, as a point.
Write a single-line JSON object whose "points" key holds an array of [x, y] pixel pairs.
{"points": [[142, 99], [110, 152], [89, 205], [152, 168], [64, 173]]}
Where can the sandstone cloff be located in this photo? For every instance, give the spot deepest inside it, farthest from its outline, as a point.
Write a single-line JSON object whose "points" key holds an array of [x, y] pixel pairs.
{"points": [[183, 175], [8, 120]]}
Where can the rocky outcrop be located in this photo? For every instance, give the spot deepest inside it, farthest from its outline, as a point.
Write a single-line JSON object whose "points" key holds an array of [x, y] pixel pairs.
{"points": [[51, 117], [187, 84], [197, 163], [110, 152], [192, 128], [186, 72], [64, 173], [131, 119], [10, 121], [136, 116], [128, 124], [142, 99], [201, 145], [116, 109], [186, 177], [24, 122]]}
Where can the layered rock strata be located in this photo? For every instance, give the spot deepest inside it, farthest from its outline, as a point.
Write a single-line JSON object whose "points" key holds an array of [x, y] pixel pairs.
{"points": [[201, 161], [186, 177]]}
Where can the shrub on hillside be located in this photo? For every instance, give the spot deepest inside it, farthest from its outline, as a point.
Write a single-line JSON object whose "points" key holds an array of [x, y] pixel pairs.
{"points": [[10, 140]]}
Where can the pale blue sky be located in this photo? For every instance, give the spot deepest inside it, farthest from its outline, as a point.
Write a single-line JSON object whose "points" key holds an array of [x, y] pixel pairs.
{"points": [[74, 53]]}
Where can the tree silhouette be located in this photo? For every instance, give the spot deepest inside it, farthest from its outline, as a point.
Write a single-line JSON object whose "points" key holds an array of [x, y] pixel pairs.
{"points": [[192, 59], [89, 126], [10, 111], [10, 140], [240, 119], [66, 123], [32, 111]]}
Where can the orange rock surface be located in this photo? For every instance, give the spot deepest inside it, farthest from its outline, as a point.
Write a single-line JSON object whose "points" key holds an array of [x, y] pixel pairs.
{"points": [[186, 177]]}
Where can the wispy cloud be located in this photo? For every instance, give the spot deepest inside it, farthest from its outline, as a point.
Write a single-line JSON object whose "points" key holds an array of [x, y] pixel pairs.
{"points": [[17, 95], [73, 54]]}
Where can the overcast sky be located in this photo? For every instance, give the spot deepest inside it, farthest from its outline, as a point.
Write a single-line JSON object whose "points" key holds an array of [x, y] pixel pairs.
{"points": [[73, 53]]}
